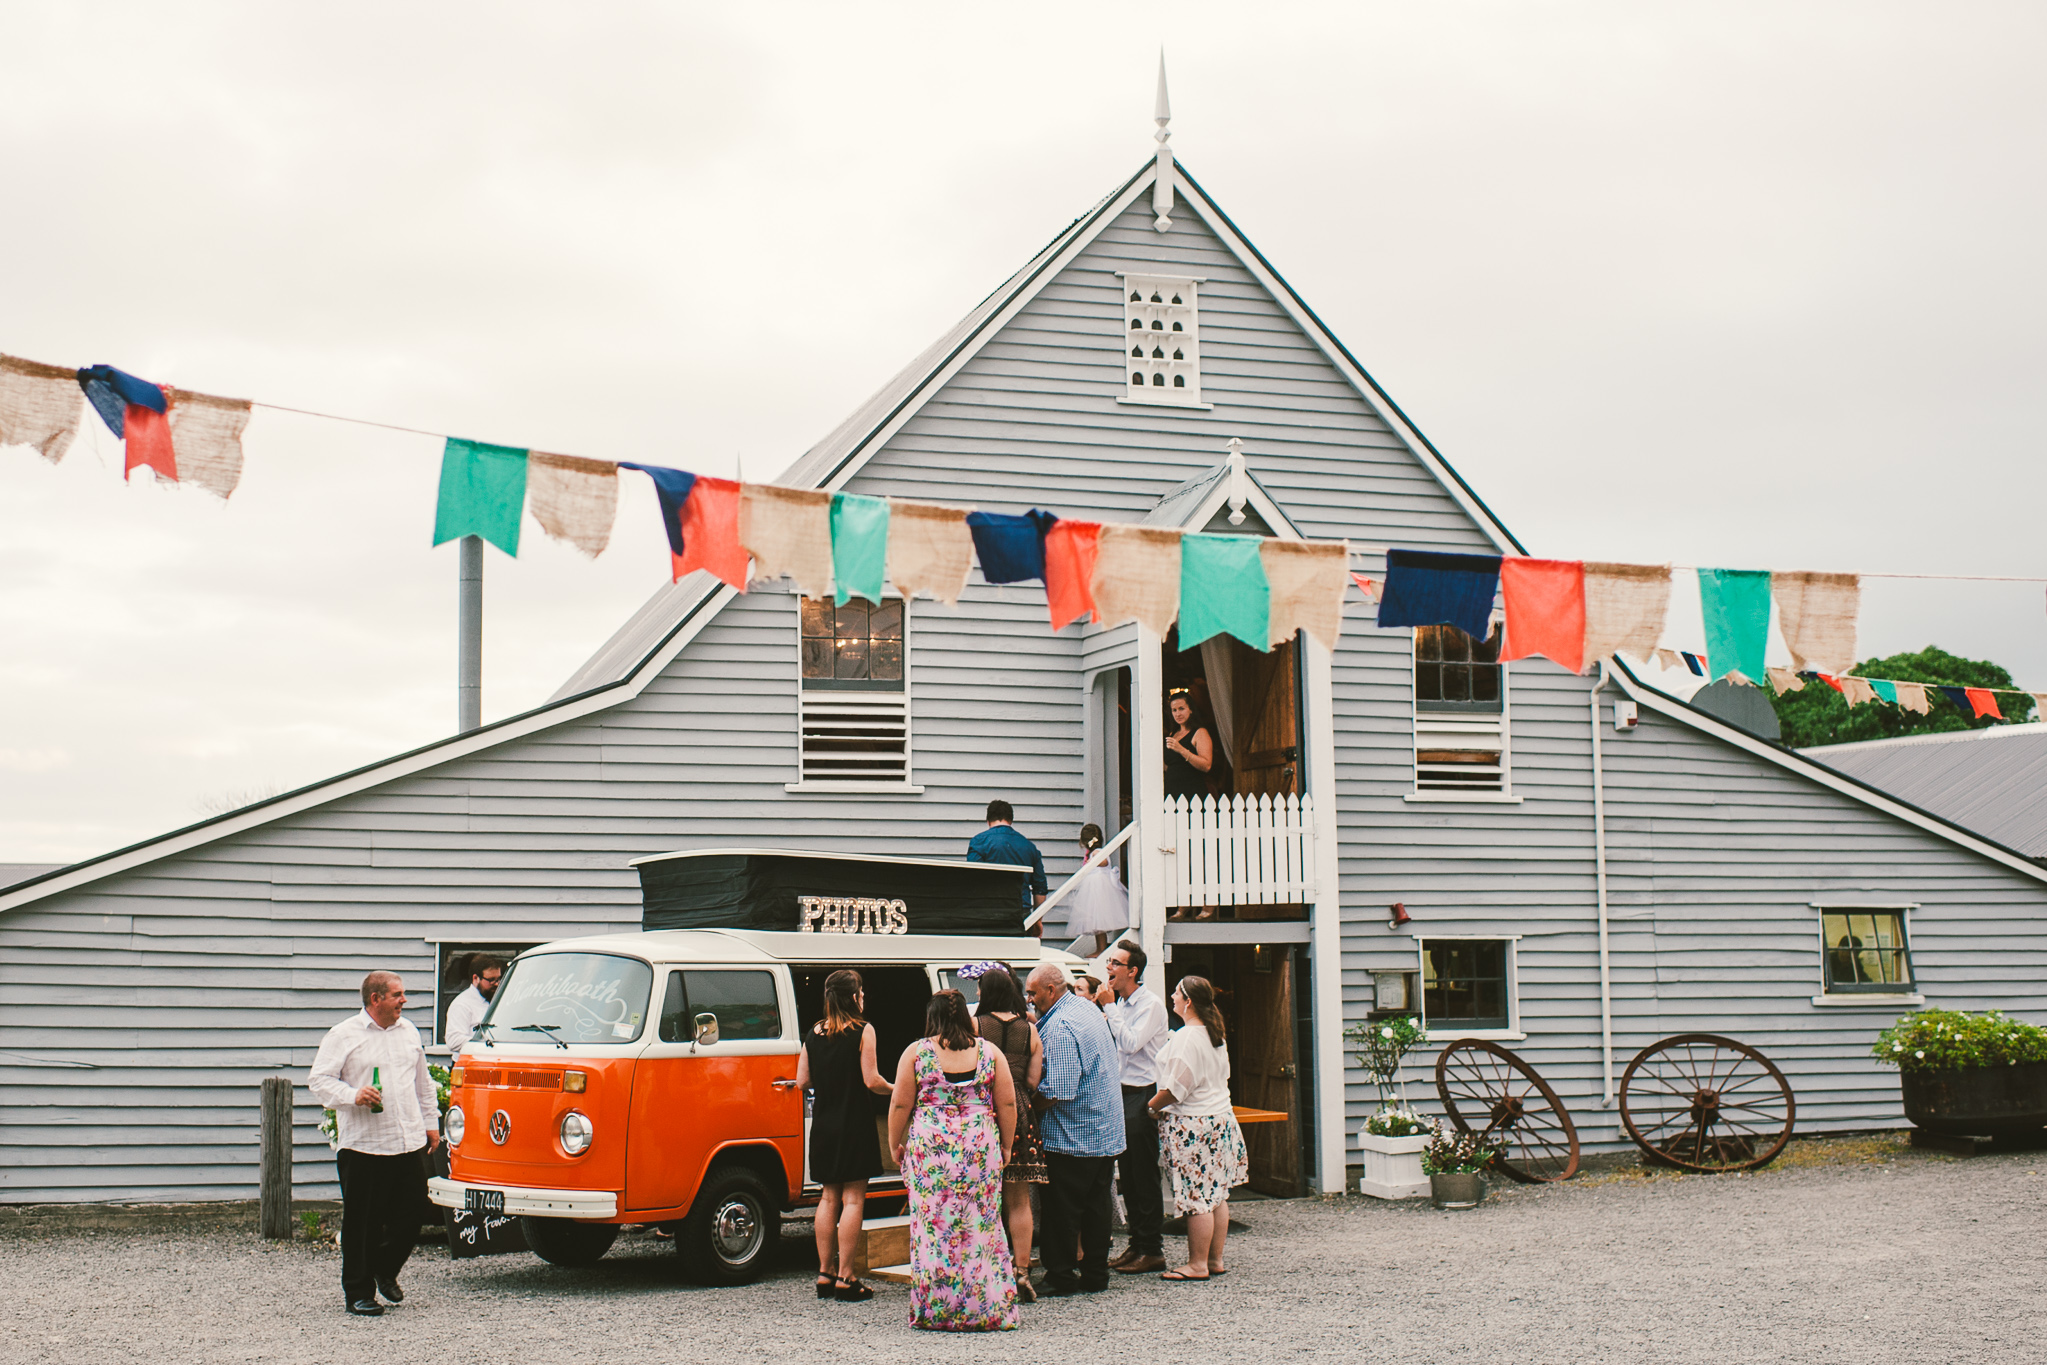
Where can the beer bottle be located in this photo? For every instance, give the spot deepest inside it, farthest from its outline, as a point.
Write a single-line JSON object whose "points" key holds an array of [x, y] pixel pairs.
{"points": [[377, 1080]]}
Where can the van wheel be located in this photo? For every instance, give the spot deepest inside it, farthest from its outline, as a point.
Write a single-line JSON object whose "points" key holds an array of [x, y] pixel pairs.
{"points": [[558, 1241], [732, 1230]]}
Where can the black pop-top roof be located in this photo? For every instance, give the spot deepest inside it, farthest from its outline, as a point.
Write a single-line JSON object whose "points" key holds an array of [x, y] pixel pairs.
{"points": [[785, 889]]}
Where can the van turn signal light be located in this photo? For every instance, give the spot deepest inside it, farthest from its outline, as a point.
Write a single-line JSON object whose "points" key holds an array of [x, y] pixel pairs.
{"points": [[456, 1075], [575, 1082]]}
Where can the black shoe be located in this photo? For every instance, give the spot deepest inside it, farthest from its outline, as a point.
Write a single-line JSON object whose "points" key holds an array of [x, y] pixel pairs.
{"points": [[390, 1290], [1058, 1288], [1093, 1286], [366, 1308], [827, 1286], [852, 1291]]}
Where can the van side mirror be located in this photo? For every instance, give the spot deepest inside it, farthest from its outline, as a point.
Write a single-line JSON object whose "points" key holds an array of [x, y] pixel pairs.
{"points": [[707, 1029]]}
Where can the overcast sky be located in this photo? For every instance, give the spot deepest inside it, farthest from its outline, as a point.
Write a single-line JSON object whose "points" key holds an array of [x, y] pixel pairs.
{"points": [[1747, 285]]}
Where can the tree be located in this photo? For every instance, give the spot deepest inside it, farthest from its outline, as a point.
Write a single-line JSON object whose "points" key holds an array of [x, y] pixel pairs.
{"points": [[1820, 715]]}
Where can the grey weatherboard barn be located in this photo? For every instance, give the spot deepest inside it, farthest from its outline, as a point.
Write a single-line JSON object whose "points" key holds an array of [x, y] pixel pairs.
{"points": [[147, 991]]}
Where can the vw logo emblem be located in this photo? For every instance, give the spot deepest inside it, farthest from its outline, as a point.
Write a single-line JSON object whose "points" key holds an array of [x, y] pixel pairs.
{"points": [[500, 1127]]}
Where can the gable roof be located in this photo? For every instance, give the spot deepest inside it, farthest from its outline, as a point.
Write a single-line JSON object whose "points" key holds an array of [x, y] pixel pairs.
{"points": [[1993, 781], [638, 651], [1798, 761]]}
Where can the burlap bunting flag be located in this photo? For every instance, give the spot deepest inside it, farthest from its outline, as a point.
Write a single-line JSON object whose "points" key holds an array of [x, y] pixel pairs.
{"points": [[206, 436], [1137, 577], [1624, 609], [574, 499], [1817, 613], [1309, 579], [929, 550], [788, 531], [39, 406]]}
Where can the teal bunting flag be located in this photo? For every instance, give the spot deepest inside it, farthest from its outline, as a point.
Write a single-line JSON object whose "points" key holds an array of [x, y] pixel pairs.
{"points": [[1223, 589], [1886, 691], [1736, 605], [859, 546], [483, 493]]}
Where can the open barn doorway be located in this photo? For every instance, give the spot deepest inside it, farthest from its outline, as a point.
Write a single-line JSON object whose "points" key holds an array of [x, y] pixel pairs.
{"points": [[1261, 990], [1249, 701]]}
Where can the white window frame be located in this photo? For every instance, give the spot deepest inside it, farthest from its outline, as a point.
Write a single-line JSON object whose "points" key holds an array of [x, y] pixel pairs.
{"points": [[1445, 729], [1511, 1033], [1187, 314], [1868, 1000], [830, 786]]}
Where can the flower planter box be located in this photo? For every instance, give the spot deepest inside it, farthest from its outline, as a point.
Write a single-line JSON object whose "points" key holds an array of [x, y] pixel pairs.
{"points": [[1458, 1190], [1981, 1101], [1393, 1166]]}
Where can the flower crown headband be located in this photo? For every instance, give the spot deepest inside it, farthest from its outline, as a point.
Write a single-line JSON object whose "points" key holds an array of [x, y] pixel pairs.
{"points": [[974, 971]]}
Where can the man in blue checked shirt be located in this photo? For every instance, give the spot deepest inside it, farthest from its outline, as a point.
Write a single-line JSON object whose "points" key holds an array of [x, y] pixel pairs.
{"points": [[1082, 1132]]}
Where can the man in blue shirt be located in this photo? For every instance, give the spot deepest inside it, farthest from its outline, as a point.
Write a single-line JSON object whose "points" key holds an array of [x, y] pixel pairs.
{"points": [[999, 843], [1082, 1132]]}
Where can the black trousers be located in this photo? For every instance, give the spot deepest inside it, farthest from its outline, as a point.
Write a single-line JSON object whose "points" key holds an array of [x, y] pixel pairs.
{"points": [[1138, 1172], [380, 1203], [1077, 1214]]}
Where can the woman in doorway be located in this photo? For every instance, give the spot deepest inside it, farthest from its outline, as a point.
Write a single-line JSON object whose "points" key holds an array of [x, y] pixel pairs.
{"points": [[950, 1127], [838, 1063], [1003, 1020], [1101, 903], [1190, 749], [1200, 1139]]}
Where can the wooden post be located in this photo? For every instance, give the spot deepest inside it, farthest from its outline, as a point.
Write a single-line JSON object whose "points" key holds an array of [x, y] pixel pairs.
{"points": [[276, 1186]]}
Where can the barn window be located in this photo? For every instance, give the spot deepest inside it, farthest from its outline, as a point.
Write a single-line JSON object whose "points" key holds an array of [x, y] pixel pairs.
{"points": [[1460, 714], [855, 722], [1467, 985], [1864, 952], [1162, 305]]}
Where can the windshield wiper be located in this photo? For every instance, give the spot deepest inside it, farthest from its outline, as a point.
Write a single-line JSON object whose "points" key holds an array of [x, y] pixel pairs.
{"points": [[547, 1029]]}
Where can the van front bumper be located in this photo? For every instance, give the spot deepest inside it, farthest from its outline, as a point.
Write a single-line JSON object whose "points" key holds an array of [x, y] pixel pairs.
{"points": [[452, 1194]]}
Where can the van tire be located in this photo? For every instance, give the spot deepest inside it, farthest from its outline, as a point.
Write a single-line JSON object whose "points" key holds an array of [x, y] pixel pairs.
{"points": [[732, 1231], [563, 1242]]}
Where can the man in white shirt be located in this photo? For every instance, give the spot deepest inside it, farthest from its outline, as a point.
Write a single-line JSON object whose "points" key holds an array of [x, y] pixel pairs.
{"points": [[386, 1130], [485, 971], [1137, 1022]]}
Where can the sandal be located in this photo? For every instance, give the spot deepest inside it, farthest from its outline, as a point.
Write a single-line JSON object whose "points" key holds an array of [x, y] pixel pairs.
{"points": [[1177, 1278], [1024, 1292], [852, 1291], [827, 1285]]}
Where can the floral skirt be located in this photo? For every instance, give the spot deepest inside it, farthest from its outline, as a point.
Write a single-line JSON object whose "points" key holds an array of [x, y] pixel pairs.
{"points": [[1205, 1157]]}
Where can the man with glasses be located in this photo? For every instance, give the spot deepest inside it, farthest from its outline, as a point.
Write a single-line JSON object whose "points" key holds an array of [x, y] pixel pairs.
{"points": [[1137, 1022], [485, 971]]}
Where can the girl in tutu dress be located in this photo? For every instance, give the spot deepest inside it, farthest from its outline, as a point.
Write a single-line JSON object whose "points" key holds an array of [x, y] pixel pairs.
{"points": [[1101, 903]]}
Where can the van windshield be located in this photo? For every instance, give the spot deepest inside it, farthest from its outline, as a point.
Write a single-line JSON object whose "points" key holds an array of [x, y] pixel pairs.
{"points": [[573, 997]]}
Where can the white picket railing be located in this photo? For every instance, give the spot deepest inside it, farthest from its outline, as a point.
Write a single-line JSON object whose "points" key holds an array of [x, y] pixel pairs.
{"points": [[1240, 850]]}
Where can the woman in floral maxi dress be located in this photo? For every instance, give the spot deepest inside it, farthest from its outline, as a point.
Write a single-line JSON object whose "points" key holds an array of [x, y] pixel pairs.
{"points": [[951, 1124]]}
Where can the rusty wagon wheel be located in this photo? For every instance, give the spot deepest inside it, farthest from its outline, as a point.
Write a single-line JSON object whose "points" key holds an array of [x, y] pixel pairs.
{"points": [[1483, 1084], [1701, 1102]]}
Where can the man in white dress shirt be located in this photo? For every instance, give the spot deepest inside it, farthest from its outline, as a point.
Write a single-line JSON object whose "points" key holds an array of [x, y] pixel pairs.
{"points": [[1137, 1021], [381, 1156], [485, 971]]}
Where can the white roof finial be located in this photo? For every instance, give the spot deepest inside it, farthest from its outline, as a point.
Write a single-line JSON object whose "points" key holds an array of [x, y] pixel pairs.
{"points": [[1162, 184]]}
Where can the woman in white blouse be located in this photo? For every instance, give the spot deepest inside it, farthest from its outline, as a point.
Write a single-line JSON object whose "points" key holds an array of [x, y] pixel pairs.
{"points": [[1204, 1147]]}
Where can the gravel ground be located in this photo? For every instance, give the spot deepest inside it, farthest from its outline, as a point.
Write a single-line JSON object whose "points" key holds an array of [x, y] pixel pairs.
{"points": [[1849, 1250]]}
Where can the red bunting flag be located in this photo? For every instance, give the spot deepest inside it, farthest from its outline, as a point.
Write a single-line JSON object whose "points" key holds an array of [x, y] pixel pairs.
{"points": [[1070, 551], [1984, 701], [710, 532], [1368, 586], [1545, 607]]}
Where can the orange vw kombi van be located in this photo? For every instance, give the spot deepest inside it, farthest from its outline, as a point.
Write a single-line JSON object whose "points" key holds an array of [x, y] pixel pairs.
{"points": [[651, 1077]]}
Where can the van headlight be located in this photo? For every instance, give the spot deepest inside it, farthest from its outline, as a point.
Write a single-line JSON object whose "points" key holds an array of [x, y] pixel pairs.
{"points": [[577, 1132], [455, 1124]]}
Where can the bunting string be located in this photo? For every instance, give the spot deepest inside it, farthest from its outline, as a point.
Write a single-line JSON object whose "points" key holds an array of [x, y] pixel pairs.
{"points": [[1261, 591]]}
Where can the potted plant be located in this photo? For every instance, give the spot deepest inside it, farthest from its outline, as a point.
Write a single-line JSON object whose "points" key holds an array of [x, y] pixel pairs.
{"points": [[1393, 1138], [1969, 1075], [1455, 1162]]}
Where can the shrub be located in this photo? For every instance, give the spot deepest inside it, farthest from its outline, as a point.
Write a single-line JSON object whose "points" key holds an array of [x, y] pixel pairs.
{"points": [[1953, 1040], [1396, 1123], [1452, 1152]]}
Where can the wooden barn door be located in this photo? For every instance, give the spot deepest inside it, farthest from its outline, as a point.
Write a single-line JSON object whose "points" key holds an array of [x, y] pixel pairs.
{"points": [[1263, 1065], [1268, 724]]}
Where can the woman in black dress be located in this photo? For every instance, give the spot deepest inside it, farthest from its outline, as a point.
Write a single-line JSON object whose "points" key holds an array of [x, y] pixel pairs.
{"points": [[838, 1063], [1190, 750], [1004, 1019]]}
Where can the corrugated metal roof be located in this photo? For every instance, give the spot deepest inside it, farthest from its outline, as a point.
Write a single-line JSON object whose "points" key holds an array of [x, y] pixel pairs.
{"points": [[1992, 781]]}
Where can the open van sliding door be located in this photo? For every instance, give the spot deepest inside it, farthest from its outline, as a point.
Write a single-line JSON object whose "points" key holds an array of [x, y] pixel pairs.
{"points": [[690, 1098], [896, 997]]}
